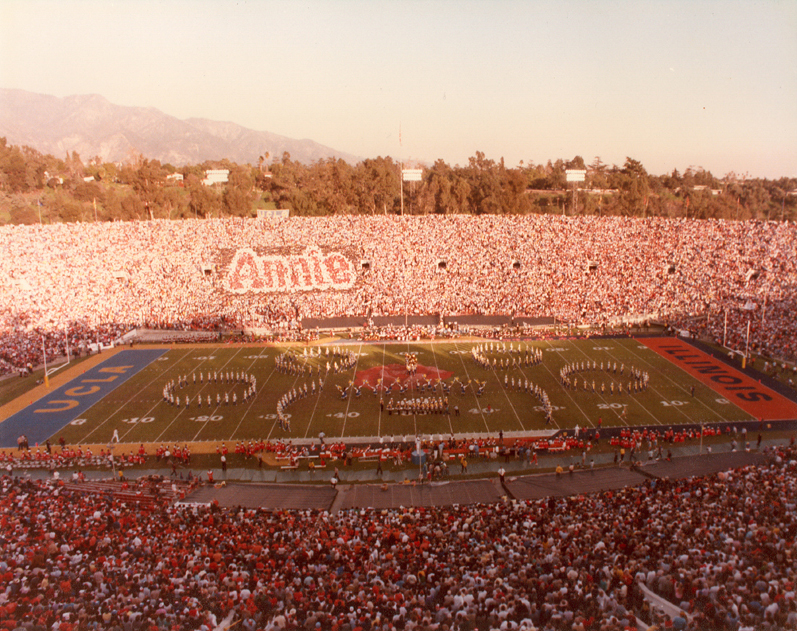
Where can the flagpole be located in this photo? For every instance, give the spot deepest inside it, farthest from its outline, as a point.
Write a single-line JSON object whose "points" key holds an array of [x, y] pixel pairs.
{"points": [[401, 178], [401, 172], [701, 437], [44, 355], [725, 334]]}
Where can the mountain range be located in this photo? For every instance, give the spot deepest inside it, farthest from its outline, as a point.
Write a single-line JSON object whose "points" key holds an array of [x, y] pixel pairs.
{"points": [[93, 126]]}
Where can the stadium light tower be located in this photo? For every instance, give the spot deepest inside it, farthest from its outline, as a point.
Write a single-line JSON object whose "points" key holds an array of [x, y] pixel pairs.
{"points": [[408, 175], [575, 176], [749, 306]]}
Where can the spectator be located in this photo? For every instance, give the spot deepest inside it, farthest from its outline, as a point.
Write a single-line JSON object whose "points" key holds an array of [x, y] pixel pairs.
{"points": [[94, 282], [547, 564]]}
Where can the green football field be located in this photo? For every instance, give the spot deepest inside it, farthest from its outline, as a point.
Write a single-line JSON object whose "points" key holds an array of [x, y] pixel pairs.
{"points": [[138, 412]]}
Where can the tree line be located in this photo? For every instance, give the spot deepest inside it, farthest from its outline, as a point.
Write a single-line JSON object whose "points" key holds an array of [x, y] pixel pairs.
{"points": [[42, 188]]}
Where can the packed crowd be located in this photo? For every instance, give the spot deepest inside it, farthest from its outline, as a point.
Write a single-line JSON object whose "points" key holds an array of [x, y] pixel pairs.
{"points": [[97, 280], [22, 345], [721, 549]]}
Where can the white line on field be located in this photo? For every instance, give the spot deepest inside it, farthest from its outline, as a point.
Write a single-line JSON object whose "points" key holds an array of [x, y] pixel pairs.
{"points": [[348, 399], [165, 429], [467, 374], [135, 397], [677, 384], [655, 418], [566, 391], [448, 415], [252, 402]]}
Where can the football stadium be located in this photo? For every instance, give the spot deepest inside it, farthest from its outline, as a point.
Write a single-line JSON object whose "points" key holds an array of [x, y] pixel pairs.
{"points": [[398, 315], [399, 422]]}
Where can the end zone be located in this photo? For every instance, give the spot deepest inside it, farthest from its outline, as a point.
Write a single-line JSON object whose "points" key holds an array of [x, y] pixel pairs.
{"points": [[43, 418], [740, 389]]}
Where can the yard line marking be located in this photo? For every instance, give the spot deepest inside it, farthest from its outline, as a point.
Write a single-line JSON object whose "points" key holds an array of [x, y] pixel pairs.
{"points": [[202, 427], [737, 387], [566, 391], [506, 395], [434, 354], [633, 397], [136, 396], [526, 377], [348, 399], [412, 392], [467, 374], [293, 385], [675, 383], [179, 414], [381, 398], [274, 423], [412, 395], [263, 392], [249, 407], [315, 407]]}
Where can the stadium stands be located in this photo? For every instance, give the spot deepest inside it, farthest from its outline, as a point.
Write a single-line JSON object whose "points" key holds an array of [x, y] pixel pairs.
{"points": [[717, 552], [580, 270]]}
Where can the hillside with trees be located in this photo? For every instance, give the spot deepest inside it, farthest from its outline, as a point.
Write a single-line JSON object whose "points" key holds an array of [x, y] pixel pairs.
{"points": [[35, 187]]}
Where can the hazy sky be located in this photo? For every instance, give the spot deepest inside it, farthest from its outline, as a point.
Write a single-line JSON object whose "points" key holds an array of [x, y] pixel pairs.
{"points": [[669, 83]]}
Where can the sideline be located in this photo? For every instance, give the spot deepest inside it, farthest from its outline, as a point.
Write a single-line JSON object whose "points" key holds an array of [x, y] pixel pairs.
{"points": [[61, 379], [53, 412]]}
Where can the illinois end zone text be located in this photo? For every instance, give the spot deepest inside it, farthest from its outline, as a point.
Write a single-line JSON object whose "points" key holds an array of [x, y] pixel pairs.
{"points": [[737, 387]]}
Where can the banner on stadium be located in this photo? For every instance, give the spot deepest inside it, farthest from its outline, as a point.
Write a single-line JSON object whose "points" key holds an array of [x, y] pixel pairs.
{"points": [[311, 270]]}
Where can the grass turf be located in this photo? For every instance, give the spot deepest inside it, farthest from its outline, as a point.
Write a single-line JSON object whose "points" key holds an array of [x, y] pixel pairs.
{"points": [[137, 410]]}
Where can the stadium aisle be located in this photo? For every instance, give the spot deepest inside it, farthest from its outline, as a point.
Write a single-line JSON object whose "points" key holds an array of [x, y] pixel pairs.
{"points": [[363, 488]]}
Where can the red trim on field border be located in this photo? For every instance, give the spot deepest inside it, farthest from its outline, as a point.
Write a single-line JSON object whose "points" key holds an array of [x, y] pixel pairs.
{"points": [[740, 389]]}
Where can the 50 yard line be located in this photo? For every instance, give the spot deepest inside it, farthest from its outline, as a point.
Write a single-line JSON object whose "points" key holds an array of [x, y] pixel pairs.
{"points": [[348, 399], [317, 398], [434, 354], [467, 374], [381, 384]]}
